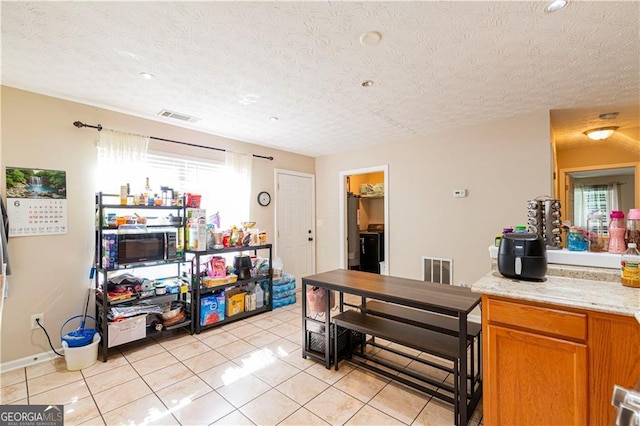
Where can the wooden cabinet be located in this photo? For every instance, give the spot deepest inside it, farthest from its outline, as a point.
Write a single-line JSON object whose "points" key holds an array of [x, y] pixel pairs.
{"points": [[614, 343], [550, 365]]}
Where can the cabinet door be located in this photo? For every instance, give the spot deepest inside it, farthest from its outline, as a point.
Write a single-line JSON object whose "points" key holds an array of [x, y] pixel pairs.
{"points": [[533, 380], [614, 352]]}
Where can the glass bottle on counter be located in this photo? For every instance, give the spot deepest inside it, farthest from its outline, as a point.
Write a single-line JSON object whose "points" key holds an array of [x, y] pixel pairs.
{"points": [[595, 233], [632, 235], [576, 240], [617, 230], [630, 267]]}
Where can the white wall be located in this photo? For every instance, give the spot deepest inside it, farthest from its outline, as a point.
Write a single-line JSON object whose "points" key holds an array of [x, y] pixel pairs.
{"points": [[50, 273], [501, 165]]}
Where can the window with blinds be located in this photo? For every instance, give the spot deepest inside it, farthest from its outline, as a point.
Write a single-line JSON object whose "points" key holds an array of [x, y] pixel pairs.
{"points": [[596, 198], [596, 201], [207, 178]]}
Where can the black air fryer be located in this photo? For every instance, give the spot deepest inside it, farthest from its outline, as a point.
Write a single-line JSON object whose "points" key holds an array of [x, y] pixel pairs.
{"points": [[522, 256]]}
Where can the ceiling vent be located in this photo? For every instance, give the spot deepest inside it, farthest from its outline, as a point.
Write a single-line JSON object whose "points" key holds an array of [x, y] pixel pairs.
{"points": [[178, 116]]}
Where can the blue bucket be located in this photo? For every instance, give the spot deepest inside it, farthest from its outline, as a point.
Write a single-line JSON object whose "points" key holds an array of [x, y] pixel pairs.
{"points": [[80, 337]]}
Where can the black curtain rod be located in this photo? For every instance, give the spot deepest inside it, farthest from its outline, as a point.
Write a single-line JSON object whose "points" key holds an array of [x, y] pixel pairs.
{"points": [[80, 124]]}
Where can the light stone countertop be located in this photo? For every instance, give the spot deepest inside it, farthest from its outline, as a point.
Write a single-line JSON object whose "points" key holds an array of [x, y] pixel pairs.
{"points": [[570, 291]]}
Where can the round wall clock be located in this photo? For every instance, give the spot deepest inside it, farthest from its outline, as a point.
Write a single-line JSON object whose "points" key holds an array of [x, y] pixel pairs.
{"points": [[264, 198]]}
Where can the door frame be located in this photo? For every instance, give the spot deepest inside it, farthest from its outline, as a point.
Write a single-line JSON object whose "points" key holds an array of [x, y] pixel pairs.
{"points": [[562, 194], [342, 221], [276, 240]]}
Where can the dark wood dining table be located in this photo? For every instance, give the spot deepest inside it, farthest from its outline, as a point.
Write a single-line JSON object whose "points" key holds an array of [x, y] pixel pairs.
{"points": [[443, 299]]}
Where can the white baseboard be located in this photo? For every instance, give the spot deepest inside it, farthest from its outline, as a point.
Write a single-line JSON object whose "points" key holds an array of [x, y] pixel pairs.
{"points": [[28, 361]]}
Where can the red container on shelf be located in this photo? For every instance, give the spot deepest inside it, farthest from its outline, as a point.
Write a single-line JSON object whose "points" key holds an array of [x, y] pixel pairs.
{"points": [[193, 200]]}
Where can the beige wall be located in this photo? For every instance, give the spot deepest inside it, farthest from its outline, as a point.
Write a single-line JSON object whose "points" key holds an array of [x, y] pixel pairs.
{"points": [[501, 165], [595, 154], [50, 273]]}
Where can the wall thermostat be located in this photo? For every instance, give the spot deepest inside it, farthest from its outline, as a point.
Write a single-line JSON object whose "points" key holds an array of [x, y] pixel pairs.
{"points": [[459, 193]]}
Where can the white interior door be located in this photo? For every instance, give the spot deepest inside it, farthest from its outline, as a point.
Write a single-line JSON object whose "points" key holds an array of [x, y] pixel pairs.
{"points": [[295, 233]]}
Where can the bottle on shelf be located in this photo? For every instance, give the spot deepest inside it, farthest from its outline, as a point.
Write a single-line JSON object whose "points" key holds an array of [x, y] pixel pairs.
{"points": [[148, 199], [259, 296], [630, 270], [617, 230]]}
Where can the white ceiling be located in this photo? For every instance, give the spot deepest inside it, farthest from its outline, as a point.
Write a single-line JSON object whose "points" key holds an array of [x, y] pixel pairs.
{"points": [[439, 65]]}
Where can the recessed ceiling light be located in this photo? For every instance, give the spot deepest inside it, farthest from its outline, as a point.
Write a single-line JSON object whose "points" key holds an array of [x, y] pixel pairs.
{"points": [[370, 38], [556, 5], [273, 118], [147, 75], [367, 83], [608, 115]]}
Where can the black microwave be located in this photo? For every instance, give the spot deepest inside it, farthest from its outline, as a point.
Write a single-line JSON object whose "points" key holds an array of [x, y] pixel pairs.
{"points": [[130, 248]]}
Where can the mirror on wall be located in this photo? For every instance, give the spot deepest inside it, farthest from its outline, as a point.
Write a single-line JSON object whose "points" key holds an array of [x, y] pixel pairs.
{"points": [[597, 191]]}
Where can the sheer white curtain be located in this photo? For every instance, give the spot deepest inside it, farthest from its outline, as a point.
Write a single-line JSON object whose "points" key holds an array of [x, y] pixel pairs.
{"points": [[239, 167], [579, 207], [613, 196], [119, 154]]}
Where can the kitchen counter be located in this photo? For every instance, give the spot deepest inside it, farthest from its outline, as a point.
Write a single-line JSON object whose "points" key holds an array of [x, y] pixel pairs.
{"points": [[593, 294]]}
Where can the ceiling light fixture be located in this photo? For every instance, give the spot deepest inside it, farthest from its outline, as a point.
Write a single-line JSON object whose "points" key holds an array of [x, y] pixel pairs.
{"points": [[608, 115], [556, 5], [147, 75], [273, 118], [601, 133], [367, 83]]}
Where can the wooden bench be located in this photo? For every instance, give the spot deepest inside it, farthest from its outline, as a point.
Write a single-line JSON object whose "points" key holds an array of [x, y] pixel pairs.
{"points": [[440, 323], [441, 342], [421, 339]]}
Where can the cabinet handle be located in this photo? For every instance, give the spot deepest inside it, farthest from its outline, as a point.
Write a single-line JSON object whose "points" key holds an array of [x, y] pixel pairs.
{"points": [[310, 239]]}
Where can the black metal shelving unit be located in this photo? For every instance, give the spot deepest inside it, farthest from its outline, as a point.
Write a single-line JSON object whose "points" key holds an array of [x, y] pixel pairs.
{"points": [[102, 304], [199, 290]]}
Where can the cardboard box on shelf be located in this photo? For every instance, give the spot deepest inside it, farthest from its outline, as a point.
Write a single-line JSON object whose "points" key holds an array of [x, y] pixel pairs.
{"points": [[212, 308], [197, 235], [235, 301], [193, 213]]}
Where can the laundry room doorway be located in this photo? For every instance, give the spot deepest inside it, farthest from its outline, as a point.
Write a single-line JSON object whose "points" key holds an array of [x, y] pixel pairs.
{"points": [[364, 228]]}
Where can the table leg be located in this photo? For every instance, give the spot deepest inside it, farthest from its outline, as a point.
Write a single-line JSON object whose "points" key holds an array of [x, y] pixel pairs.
{"points": [[327, 329], [462, 342], [304, 320]]}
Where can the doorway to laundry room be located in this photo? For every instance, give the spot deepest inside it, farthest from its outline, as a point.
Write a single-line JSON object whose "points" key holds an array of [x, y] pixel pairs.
{"points": [[364, 209]]}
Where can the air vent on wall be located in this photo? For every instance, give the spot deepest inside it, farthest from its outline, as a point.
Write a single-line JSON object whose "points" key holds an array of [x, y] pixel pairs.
{"points": [[437, 270], [177, 116]]}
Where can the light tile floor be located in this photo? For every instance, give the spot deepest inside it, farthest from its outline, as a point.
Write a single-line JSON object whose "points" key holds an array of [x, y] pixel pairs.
{"points": [[250, 372]]}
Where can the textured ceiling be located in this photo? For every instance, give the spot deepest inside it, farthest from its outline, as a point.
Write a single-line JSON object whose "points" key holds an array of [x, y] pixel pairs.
{"points": [[439, 65]]}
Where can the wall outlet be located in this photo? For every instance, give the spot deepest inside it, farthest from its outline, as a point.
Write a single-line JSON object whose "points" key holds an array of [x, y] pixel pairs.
{"points": [[34, 324], [459, 193]]}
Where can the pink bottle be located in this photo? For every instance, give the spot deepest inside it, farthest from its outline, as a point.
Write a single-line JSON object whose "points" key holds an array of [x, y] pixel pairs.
{"points": [[617, 230]]}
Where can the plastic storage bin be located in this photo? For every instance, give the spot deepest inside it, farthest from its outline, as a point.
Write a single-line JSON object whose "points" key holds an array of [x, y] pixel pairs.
{"points": [[127, 330]]}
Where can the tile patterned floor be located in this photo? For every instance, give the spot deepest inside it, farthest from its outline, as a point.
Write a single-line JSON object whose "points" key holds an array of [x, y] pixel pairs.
{"points": [[246, 373]]}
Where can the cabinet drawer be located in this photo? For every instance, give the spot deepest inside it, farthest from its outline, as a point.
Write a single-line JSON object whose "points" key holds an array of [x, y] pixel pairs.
{"points": [[541, 319]]}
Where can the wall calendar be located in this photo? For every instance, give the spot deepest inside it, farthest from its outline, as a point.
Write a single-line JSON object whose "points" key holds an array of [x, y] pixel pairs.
{"points": [[36, 202]]}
